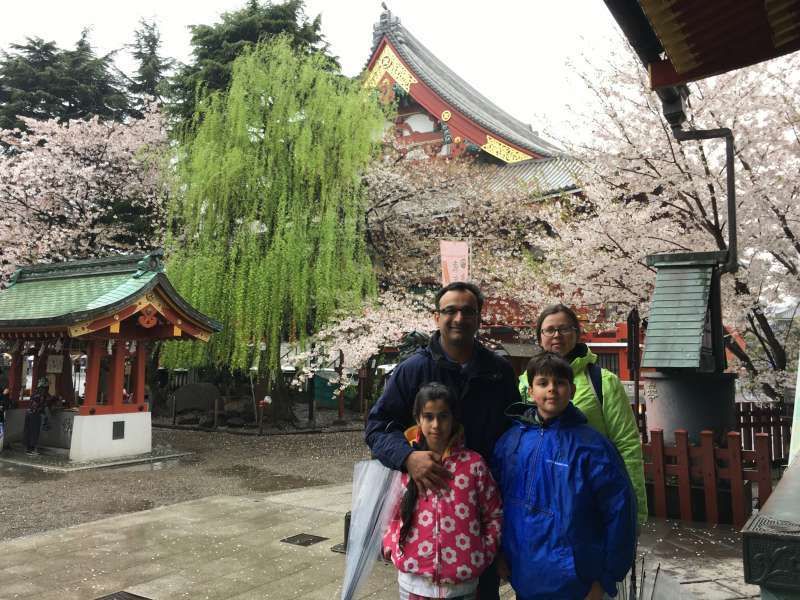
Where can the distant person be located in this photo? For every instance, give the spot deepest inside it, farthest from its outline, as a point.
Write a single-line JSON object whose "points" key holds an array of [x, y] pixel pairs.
{"points": [[5, 404], [569, 524], [33, 416], [441, 542], [599, 394], [483, 386]]}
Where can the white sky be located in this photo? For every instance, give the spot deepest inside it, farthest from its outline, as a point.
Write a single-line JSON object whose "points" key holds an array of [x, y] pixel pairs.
{"points": [[514, 51]]}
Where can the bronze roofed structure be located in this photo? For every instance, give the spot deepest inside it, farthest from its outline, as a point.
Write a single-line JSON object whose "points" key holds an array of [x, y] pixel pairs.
{"points": [[104, 313]]}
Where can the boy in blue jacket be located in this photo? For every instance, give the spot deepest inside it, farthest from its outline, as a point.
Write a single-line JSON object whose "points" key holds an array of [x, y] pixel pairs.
{"points": [[569, 528]]}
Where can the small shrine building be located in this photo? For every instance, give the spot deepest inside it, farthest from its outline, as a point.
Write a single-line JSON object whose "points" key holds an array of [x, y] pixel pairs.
{"points": [[87, 327]]}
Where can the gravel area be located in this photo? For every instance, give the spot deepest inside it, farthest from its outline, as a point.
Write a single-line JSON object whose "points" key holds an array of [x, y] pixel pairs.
{"points": [[222, 463]]}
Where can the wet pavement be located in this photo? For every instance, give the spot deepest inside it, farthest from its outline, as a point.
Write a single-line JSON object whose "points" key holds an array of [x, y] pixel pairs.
{"points": [[230, 547], [705, 560]]}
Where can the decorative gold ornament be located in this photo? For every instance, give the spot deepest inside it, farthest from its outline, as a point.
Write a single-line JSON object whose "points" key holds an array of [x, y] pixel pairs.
{"points": [[502, 151], [388, 62], [446, 114], [457, 139]]}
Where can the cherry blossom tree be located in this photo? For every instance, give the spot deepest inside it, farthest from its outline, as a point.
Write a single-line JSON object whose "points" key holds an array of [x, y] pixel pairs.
{"points": [[645, 193], [81, 189]]}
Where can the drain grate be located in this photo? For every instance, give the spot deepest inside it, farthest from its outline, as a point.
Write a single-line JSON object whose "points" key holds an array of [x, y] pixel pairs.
{"points": [[122, 596], [304, 539]]}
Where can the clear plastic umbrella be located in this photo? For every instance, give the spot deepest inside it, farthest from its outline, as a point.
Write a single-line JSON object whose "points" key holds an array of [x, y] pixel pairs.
{"points": [[376, 492]]}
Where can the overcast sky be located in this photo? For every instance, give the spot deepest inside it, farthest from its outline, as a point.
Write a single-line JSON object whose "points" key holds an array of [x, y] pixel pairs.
{"points": [[513, 51]]}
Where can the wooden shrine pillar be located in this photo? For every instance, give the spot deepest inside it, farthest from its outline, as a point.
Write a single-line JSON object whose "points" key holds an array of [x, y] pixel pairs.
{"points": [[138, 378], [94, 355], [116, 378], [15, 375]]}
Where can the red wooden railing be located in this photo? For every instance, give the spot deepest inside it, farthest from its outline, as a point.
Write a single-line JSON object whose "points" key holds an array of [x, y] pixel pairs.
{"points": [[770, 418], [707, 465]]}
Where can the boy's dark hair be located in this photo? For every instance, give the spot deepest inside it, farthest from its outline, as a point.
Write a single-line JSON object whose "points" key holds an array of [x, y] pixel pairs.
{"points": [[428, 392], [460, 286], [554, 309], [548, 364]]}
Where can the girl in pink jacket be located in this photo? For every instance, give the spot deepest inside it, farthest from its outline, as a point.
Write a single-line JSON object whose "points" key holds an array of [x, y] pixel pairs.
{"points": [[442, 541]]}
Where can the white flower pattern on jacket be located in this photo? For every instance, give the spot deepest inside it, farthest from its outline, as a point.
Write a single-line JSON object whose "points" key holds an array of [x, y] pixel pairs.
{"points": [[455, 534]]}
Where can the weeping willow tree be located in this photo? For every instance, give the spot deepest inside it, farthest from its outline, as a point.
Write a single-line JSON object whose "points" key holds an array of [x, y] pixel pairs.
{"points": [[268, 215]]}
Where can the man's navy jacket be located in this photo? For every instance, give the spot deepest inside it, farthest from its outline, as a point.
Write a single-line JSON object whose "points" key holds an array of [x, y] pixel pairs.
{"points": [[483, 389]]}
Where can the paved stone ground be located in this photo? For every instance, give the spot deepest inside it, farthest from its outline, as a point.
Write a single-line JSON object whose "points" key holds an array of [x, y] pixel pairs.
{"points": [[229, 547], [209, 526]]}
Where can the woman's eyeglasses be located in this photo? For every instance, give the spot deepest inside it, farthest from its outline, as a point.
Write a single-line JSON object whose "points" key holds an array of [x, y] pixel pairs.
{"points": [[562, 331]]}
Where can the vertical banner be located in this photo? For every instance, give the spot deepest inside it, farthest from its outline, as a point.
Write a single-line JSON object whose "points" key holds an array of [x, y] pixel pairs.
{"points": [[455, 261]]}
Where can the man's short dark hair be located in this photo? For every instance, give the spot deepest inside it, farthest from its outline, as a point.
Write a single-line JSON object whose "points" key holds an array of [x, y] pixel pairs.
{"points": [[548, 364], [461, 286]]}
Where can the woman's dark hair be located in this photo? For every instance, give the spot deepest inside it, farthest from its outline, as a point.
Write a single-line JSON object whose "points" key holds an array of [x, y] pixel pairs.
{"points": [[554, 309], [427, 393], [548, 364]]}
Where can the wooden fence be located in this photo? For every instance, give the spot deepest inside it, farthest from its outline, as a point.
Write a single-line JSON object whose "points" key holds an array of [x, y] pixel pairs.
{"points": [[706, 465], [765, 417], [752, 418]]}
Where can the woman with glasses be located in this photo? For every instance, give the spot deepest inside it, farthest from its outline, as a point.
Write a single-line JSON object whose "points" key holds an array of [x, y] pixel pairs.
{"points": [[598, 392]]}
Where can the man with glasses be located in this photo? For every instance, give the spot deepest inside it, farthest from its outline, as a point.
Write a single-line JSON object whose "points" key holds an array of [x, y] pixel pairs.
{"points": [[482, 382]]}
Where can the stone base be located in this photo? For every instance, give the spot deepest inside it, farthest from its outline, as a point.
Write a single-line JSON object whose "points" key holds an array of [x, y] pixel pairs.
{"points": [[96, 437]]}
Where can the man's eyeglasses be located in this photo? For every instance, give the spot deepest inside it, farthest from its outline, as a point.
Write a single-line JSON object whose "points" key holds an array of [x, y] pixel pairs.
{"points": [[466, 311], [563, 330]]}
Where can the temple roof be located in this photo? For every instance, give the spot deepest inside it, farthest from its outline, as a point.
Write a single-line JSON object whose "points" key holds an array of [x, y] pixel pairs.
{"points": [[542, 177], [527, 160], [64, 294], [457, 92]]}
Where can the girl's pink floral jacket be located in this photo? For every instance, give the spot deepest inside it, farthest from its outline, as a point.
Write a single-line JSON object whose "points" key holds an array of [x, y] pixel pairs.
{"points": [[455, 533]]}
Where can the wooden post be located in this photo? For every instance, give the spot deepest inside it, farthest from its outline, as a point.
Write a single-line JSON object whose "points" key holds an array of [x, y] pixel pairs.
{"points": [[775, 428], [709, 466], [15, 375], [684, 477], [659, 480], [739, 510], [743, 418], [95, 354], [340, 371], [139, 373], [763, 468], [117, 375]]}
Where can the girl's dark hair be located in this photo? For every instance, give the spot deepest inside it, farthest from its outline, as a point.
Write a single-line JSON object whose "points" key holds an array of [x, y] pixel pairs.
{"points": [[554, 309], [428, 392], [548, 364]]}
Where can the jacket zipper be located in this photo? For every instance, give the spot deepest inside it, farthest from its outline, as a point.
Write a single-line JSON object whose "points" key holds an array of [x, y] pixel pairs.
{"points": [[437, 529], [533, 462]]}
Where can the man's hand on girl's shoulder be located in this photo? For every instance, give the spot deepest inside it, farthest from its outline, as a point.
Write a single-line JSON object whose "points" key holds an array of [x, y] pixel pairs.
{"points": [[425, 468]]}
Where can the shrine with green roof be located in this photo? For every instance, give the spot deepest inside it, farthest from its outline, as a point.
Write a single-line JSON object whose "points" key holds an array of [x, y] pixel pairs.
{"points": [[103, 313]]}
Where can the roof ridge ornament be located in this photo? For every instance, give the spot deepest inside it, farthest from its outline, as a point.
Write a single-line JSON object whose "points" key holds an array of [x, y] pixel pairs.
{"points": [[150, 263]]}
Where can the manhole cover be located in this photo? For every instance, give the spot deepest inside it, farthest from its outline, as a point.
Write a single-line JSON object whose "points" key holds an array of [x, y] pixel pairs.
{"points": [[304, 539], [122, 596]]}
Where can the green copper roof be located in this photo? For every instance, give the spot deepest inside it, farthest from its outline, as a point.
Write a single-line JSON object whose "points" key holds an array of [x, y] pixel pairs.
{"points": [[678, 316], [62, 294], [48, 299]]}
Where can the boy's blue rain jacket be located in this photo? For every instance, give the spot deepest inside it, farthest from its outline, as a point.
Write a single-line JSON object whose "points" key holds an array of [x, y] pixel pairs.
{"points": [[569, 508]]}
